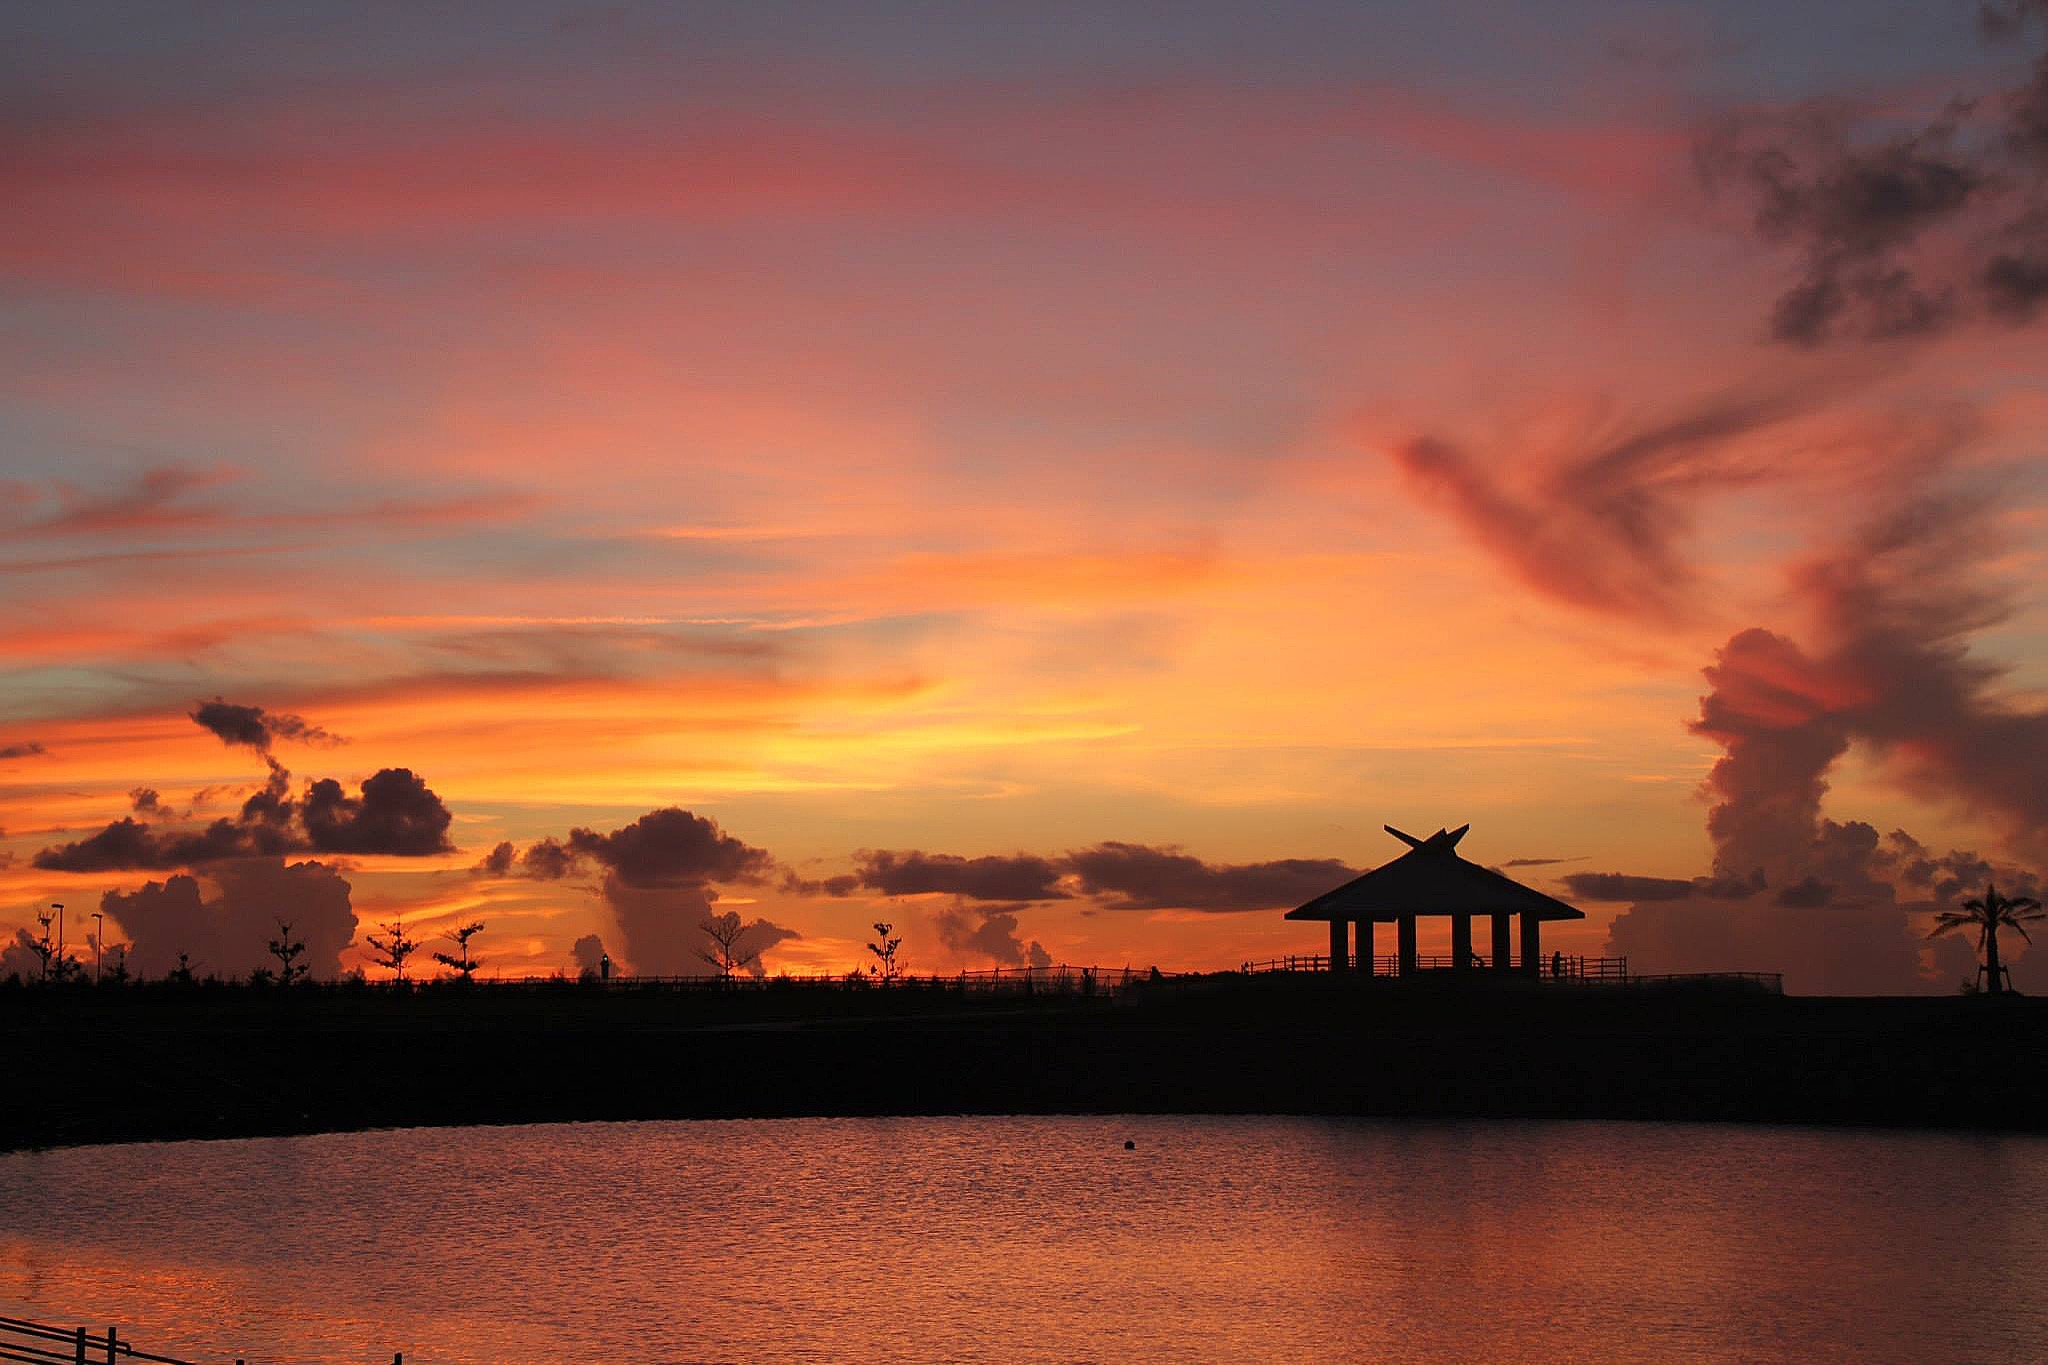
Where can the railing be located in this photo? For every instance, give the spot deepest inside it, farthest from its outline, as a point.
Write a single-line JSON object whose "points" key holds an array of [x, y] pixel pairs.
{"points": [[1556, 967], [40, 1343], [1770, 982], [1055, 979]]}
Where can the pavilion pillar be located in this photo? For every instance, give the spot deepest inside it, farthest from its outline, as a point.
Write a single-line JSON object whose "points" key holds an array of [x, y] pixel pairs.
{"points": [[1532, 944], [1405, 933], [1365, 927], [1461, 942], [1340, 944], [1502, 942]]}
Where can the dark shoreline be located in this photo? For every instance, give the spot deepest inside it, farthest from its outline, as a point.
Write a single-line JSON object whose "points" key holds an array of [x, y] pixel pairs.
{"points": [[160, 1063]]}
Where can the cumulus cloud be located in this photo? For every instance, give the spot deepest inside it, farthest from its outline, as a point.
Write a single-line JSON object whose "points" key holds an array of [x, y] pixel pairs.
{"points": [[663, 928], [253, 727], [658, 882], [21, 957], [587, 952], [395, 813], [224, 920], [670, 847], [1881, 656], [988, 932], [1891, 667]]}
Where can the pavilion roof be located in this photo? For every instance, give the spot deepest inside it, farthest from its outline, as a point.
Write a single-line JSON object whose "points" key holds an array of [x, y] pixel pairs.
{"points": [[1431, 879]]}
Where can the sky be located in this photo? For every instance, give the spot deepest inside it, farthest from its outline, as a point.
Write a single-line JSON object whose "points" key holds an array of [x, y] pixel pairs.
{"points": [[1055, 479]]}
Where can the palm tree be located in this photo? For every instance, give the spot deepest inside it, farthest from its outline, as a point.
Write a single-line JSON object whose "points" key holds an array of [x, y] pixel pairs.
{"points": [[1987, 914]]}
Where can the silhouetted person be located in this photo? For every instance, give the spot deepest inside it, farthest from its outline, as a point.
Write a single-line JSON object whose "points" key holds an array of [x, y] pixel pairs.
{"points": [[604, 967], [1557, 964]]}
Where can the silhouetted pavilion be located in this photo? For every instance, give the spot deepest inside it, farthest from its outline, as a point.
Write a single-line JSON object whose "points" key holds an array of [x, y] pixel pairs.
{"points": [[1431, 879]]}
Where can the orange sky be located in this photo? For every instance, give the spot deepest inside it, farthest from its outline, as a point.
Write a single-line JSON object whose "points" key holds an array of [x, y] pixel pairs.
{"points": [[914, 441]]}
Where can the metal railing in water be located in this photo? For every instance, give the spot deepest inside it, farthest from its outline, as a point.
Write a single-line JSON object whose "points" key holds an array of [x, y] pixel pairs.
{"points": [[42, 1343]]}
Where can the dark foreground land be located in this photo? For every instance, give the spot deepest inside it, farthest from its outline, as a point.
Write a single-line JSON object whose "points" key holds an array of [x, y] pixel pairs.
{"points": [[162, 1062]]}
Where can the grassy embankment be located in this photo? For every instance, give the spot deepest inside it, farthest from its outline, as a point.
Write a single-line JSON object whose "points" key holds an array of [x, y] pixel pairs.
{"points": [[163, 1062]]}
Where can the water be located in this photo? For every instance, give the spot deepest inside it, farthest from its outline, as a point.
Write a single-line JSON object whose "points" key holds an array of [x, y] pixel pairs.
{"points": [[1033, 1239]]}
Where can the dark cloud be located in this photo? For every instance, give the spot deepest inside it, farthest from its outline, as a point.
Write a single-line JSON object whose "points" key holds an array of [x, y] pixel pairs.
{"points": [[22, 749], [587, 952], [988, 932], [154, 499], [845, 884], [1892, 613], [2008, 19], [396, 814], [1123, 876], [1013, 878], [1807, 893], [657, 881], [2014, 286], [145, 801], [255, 728], [1142, 877], [1603, 523], [226, 929], [544, 860], [1538, 862], [663, 927], [547, 860], [1897, 233], [1620, 886], [21, 958], [665, 848]]}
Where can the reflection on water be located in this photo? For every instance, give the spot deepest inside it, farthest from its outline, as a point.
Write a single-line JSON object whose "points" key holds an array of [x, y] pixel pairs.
{"points": [[1045, 1240]]}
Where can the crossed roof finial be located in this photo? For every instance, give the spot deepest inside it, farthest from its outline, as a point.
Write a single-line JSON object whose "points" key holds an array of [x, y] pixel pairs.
{"points": [[1443, 839]]}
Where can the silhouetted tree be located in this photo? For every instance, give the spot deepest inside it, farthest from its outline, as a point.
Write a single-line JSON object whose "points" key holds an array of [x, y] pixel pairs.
{"points": [[287, 952], [393, 948], [885, 968], [1987, 914], [460, 959], [181, 975], [116, 972], [726, 953], [45, 948]]}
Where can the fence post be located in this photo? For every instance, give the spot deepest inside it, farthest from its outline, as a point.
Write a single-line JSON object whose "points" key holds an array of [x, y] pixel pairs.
{"points": [[80, 1357], [112, 1343]]}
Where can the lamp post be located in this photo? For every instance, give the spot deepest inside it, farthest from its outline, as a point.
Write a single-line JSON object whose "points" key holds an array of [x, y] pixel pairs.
{"points": [[99, 941]]}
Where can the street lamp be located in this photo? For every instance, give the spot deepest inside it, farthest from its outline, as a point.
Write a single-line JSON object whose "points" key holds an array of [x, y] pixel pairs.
{"points": [[99, 940]]}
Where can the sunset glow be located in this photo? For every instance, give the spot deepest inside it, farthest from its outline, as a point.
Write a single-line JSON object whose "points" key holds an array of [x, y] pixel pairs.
{"points": [[905, 442]]}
